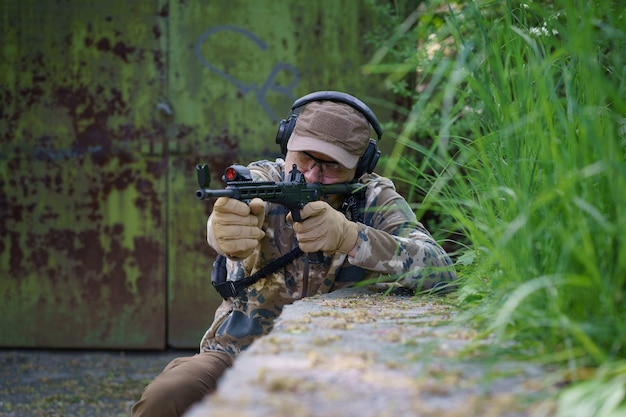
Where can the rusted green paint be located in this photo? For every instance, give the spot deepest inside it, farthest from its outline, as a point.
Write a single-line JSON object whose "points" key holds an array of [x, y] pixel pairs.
{"points": [[106, 109], [82, 247]]}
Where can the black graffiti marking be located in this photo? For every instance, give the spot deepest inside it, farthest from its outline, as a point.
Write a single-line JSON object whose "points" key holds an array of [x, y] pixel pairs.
{"points": [[268, 85]]}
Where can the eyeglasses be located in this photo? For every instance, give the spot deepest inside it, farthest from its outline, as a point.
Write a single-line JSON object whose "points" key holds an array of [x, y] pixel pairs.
{"points": [[331, 169]]}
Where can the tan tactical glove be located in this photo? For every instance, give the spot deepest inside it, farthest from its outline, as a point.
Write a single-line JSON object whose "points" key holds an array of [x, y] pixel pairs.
{"points": [[324, 229], [235, 227]]}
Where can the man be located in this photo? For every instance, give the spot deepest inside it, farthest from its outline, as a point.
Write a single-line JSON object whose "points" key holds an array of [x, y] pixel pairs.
{"points": [[346, 239]]}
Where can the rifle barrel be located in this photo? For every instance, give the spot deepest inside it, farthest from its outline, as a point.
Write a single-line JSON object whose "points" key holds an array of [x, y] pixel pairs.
{"points": [[205, 193]]}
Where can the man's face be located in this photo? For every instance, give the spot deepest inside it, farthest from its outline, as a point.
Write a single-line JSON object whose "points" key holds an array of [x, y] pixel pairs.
{"points": [[319, 167]]}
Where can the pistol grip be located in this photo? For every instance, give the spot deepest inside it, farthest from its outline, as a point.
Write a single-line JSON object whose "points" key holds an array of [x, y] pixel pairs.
{"points": [[295, 214], [314, 258]]}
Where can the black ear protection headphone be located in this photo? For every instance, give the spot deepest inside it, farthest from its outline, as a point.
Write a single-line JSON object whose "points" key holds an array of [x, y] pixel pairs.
{"points": [[368, 161]]}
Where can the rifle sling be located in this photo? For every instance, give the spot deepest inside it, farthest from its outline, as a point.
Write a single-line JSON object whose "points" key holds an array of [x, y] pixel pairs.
{"points": [[354, 203], [229, 289]]}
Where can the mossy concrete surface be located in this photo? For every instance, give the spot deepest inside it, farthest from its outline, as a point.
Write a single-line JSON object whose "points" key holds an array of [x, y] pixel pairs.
{"points": [[362, 353]]}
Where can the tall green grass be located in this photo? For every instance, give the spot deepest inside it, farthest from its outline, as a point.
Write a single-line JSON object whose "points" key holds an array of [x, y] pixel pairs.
{"points": [[535, 179], [546, 172]]}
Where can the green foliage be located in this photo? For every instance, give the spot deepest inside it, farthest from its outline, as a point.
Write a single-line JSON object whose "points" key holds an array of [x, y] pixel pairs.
{"points": [[545, 169], [604, 395], [517, 132]]}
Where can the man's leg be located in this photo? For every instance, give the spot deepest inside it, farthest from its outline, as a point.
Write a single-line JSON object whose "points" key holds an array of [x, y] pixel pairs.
{"points": [[182, 383]]}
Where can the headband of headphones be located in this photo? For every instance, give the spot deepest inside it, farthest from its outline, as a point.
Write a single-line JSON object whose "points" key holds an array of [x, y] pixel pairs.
{"points": [[285, 129], [369, 159]]}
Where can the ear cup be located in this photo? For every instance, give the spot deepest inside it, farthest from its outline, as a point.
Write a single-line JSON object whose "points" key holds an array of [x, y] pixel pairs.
{"points": [[368, 161], [286, 127]]}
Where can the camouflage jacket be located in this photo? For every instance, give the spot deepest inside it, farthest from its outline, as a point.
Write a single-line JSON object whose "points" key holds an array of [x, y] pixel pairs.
{"points": [[391, 242]]}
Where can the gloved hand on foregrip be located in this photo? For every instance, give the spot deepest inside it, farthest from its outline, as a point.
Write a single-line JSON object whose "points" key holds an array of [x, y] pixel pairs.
{"points": [[324, 229], [236, 227]]}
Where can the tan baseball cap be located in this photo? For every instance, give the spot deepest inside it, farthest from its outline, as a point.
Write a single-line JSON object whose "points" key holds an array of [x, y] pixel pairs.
{"points": [[334, 129]]}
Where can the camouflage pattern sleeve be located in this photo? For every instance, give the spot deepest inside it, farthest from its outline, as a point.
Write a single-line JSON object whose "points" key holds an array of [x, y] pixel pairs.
{"points": [[393, 242]]}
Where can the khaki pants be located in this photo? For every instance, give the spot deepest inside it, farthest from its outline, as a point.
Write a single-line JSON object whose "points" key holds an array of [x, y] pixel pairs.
{"points": [[182, 383]]}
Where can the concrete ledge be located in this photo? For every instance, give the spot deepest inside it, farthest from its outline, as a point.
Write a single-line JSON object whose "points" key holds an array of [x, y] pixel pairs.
{"points": [[359, 353]]}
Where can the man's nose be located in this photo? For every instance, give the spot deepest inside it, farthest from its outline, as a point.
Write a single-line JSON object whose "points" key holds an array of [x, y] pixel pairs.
{"points": [[313, 174]]}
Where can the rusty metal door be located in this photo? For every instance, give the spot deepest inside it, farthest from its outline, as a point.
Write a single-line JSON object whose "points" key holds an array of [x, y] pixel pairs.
{"points": [[83, 175], [106, 108]]}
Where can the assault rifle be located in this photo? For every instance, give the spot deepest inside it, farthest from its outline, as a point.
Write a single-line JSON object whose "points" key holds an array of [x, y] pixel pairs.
{"points": [[294, 193]]}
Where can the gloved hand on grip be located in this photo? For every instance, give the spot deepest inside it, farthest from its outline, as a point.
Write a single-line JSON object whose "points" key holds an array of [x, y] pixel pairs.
{"points": [[324, 229], [235, 228]]}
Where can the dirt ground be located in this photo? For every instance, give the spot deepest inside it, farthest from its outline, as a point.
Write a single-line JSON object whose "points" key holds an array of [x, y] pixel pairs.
{"points": [[68, 383]]}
